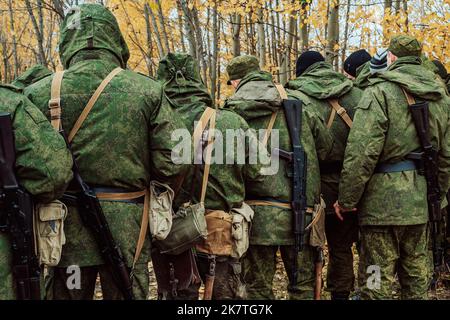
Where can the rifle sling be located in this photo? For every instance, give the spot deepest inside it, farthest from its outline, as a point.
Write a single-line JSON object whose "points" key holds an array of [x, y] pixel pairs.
{"points": [[283, 96], [337, 108]]}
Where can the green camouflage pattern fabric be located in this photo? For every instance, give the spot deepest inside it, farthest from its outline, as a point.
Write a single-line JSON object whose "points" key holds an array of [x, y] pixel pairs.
{"points": [[383, 131], [404, 45], [397, 251], [260, 265], [43, 165], [90, 27], [314, 87], [124, 142], [255, 99], [190, 97], [363, 76], [240, 66], [33, 74]]}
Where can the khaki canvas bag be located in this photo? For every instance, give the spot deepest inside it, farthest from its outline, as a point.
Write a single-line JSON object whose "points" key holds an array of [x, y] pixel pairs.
{"points": [[160, 212], [317, 237], [49, 231]]}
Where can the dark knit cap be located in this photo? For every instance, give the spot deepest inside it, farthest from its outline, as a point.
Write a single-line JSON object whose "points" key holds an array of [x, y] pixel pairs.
{"points": [[355, 60], [306, 60], [441, 70]]}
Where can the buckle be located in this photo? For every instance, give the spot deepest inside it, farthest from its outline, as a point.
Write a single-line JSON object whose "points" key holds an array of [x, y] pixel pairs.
{"points": [[54, 103], [341, 111]]}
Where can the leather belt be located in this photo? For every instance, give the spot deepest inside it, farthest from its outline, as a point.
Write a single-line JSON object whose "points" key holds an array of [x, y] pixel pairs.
{"points": [[406, 165]]}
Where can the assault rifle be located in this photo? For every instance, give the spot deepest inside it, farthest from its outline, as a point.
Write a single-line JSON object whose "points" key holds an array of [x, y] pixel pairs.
{"points": [[93, 217], [16, 218], [429, 168], [297, 159]]}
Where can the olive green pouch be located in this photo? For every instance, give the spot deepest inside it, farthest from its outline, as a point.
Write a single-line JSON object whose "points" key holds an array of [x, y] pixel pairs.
{"points": [[188, 229]]}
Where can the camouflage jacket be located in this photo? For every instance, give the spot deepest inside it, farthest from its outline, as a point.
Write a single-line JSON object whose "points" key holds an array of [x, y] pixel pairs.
{"points": [[30, 76], [43, 164], [383, 131], [228, 177], [255, 99], [316, 85], [125, 141]]}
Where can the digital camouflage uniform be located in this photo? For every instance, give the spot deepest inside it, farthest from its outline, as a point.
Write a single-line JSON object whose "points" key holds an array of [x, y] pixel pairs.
{"points": [[255, 99], [363, 76], [314, 87], [393, 206], [43, 165], [31, 76], [124, 143], [227, 183]]}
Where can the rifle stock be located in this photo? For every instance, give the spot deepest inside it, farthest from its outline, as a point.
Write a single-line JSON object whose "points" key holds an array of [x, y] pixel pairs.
{"points": [[94, 218], [420, 115], [297, 159], [17, 218]]}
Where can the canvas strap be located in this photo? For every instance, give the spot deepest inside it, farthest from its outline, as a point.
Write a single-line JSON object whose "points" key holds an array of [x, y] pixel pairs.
{"points": [[209, 148], [266, 203], [54, 104], [409, 97], [92, 102], [336, 108], [283, 96]]}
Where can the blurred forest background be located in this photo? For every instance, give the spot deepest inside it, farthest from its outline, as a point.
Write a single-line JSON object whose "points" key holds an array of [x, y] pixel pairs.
{"points": [[214, 31]]}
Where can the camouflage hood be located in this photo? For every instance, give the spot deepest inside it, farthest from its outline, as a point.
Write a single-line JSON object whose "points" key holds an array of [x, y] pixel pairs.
{"points": [[321, 82], [255, 96], [88, 27], [409, 73], [183, 85], [31, 76]]}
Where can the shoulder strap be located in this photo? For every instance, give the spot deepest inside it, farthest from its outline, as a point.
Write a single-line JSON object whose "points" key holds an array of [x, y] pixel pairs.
{"points": [[336, 108], [283, 95], [209, 116], [92, 102], [54, 104], [409, 97]]}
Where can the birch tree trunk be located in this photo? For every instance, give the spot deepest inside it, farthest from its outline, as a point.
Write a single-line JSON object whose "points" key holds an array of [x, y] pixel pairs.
{"points": [[215, 30], [159, 44], [236, 30], [331, 53], [38, 26], [285, 64], [14, 39], [261, 39]]}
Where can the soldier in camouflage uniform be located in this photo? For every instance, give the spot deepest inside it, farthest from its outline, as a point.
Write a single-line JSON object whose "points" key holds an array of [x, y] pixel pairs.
{"points": [[317, 85], [388, 190], [227, 183], [122, 145], [31, 76], [43, 165], [256, 99]]}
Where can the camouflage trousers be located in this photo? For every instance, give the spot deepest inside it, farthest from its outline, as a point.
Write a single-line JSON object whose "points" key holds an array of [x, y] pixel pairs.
{"points": [[341, 235], [387, 251], [260, 263], [228, 284], [61, 283]]}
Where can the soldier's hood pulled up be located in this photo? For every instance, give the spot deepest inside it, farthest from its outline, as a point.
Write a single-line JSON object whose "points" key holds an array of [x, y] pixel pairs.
{"points": [[91, 27]]}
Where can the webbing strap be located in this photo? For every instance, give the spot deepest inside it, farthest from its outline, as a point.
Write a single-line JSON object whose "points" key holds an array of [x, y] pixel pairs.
{"points": [[92, 102], [209, 147], [266, 203], [54, 104], [409, 97], [334, 103], [283, 95]]}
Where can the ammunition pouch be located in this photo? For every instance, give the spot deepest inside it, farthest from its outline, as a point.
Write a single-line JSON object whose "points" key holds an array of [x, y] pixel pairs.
{"points": [[317, 237], [160, 212], [188, 228], [49, 232]]}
